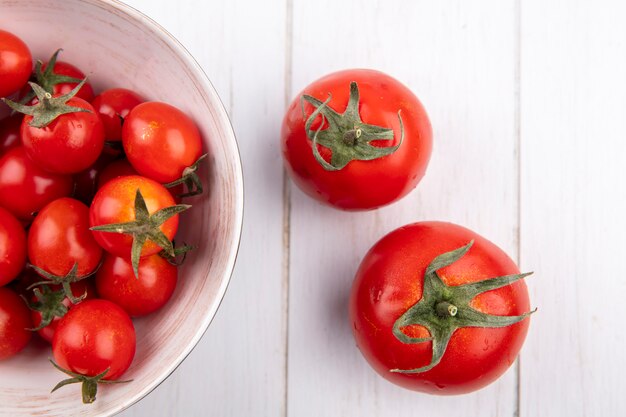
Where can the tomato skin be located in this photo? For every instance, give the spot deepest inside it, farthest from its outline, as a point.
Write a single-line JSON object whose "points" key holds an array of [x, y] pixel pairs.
{"points": [[20, 176], [113, 106], [12, 247], [389, 281], [86, 181], [160, 141], [10, 132], [16, 63], [65, 68], [361, 185], [79, 288], [115, 203], [59, 237], [93, 336], [140, 296], [14, 322], [119, 168], [70, 144]]}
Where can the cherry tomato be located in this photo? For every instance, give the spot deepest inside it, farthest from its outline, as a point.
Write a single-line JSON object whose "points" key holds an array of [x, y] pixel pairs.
{"points": [[119, 168], [59, 237], [86, 182], [65, 68], [25, 188], [10, 132], [390, 304], [69, 144], [115, 203], [160, 141], [16, 63], [140, 296], [113, 106], [94, 336], [79, 288], [14, 323], [12, 247], [352, 167]]}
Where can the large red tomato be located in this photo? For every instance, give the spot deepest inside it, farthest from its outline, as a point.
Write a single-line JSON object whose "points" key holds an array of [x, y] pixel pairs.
{"points": [[14, 323], [427, 280], [16, 63], [25, 188], [373, 145], [12, 247]]}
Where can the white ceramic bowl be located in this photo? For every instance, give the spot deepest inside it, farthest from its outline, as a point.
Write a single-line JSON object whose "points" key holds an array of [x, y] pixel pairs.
{"points": [[116, 46]]}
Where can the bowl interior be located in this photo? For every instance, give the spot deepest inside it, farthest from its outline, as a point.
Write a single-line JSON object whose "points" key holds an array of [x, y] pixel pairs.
{"points": [[118, 47]]}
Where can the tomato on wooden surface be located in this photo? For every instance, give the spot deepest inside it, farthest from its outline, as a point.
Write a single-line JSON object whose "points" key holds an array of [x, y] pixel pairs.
{"points": [[113, 106], [49, 304], [134, 216], [25, 188], [372, 139], [10, 132], [439, 309], [14, 323], [160, 141], [12, 247], [141, 295], [16, 63], [59, 238], [94, 342]]}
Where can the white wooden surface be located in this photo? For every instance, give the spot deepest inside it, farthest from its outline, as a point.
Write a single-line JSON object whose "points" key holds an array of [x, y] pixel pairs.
{"points": [[527, 101]]}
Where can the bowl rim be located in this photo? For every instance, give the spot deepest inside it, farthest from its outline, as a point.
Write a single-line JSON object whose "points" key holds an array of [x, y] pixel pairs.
{"points": [[207, 86]]}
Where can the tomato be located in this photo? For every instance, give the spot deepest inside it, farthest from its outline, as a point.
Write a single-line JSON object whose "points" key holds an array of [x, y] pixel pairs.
{"points": [[86, 182], [59, 237], [10, 133], [25, 188], [369, 156], [119, 168], [68, 144], [115, 203], [92, 337], [139, 296], [113, 106], [57, 305], [69, 70], [16, 63], [160, 141], [396, 302], [12, 247], [14, 323]]}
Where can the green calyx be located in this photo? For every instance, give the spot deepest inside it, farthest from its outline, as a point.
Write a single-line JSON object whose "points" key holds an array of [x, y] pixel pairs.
{"points": [[347, 137], [89, 383], [178, 251], [48, 108], [48, 79], [64, 281], [190, 178], [145, 227], [49, 304], [443, 309]]}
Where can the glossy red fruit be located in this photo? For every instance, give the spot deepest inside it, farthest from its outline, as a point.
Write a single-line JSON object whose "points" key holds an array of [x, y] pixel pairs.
{"points": [[119, 168], [14, 323], [16, 63], [67, 69], [12, 247], [10, 132], [113, 106]]}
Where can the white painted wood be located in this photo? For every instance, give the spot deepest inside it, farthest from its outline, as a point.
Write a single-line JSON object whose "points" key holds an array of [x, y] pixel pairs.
{"points": [[238, 369], [459, 57], [573, 96]]}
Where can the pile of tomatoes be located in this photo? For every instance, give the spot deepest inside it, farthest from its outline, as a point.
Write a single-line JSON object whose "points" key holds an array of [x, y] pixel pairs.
{"points": [[90, 199]]}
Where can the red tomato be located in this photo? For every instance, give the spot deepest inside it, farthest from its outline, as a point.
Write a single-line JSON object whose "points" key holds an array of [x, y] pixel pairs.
{"points": [[79, 288], [113, 106], [119, 168], [14, 323], [115, 203], [25, 188], [12, 247], [86, 182], [93, 336], [140, 296], [389, 283], [10, 132], [69, 144], [16, 63], [59, 237], [160, 141], [67, 69], [362, 171]]}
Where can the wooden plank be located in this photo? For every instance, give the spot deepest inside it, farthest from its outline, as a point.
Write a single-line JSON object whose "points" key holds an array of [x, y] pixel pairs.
{"points": [[573, 96], [460, 58], [238, 368]]}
